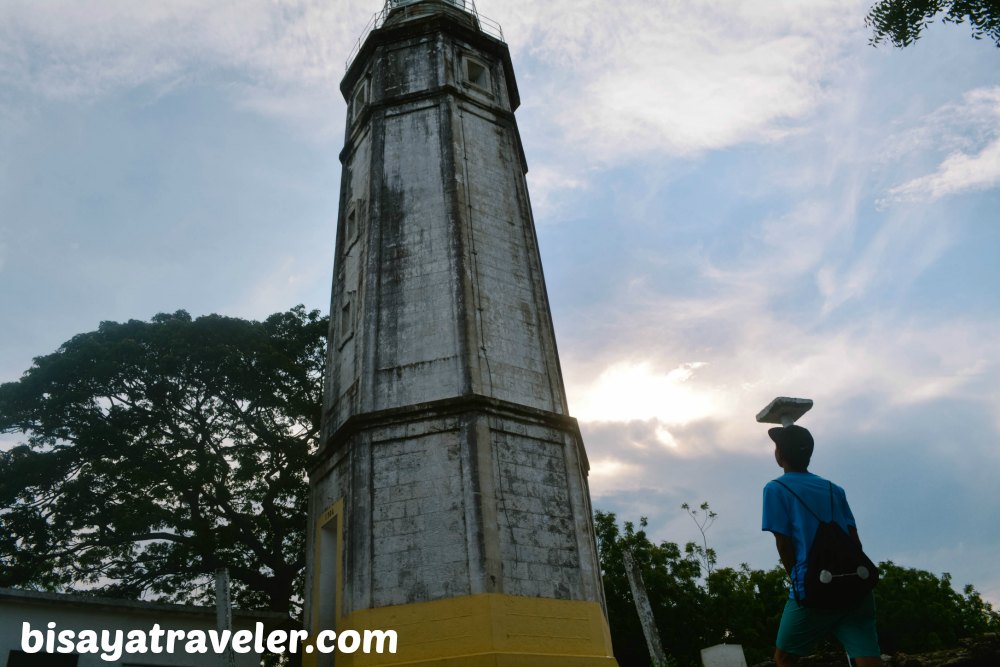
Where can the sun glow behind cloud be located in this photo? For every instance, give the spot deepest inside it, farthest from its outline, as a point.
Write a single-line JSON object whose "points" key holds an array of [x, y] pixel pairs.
{"points": [[611, 473], [628, 391]]}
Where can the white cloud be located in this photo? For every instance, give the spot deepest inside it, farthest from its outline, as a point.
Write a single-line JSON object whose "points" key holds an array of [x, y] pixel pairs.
{"points": [[611, 474], [902, 246], [632, 362], [284, 57], [958, 173], [628, 390], [969, 133], [766, 316], [677, 78], [611, 81], [546, 183], [645, 102]]}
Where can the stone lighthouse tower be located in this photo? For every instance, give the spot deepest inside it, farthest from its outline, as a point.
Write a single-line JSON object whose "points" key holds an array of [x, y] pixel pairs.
{"points": [[449, 498]]}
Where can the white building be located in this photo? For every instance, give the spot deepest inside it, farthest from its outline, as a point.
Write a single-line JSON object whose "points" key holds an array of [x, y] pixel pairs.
{"points": [[77, 613]]}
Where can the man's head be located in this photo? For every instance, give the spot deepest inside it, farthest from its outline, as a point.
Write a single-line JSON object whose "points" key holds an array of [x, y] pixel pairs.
{"points": [[793, 446]]}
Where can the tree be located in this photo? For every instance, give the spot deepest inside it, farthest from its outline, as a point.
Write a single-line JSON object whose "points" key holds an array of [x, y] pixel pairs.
{"points": [[155, 452], [704, 521], [902, 21], [919, 611], [744, 607], [671, 579], [741, 606]]}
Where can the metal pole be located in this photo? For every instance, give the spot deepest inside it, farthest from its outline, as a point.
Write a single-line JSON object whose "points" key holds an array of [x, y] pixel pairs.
{"points": [[224, 615]]}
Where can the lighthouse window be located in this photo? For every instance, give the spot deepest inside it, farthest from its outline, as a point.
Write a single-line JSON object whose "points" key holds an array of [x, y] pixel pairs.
{"points": [[354, 221], [346, 323], [477, 74], [352, 226], [360, 99]]}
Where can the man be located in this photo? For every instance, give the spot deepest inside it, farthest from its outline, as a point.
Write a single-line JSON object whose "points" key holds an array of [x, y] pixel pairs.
{"points": [[794, 527]]}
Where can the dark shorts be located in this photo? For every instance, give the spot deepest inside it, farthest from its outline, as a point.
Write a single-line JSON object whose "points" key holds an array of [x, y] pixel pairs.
{"points": [[802, 628]]}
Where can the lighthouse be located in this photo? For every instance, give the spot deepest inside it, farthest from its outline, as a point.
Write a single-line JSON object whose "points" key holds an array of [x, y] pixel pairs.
{"points": [[448, 498]]}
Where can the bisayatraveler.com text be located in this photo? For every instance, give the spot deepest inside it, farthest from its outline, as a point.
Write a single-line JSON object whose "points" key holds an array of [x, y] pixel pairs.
{"points": [[112, 644]]}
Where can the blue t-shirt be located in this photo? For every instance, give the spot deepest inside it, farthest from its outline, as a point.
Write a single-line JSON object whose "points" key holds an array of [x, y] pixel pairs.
{"points": [[784, 514]]}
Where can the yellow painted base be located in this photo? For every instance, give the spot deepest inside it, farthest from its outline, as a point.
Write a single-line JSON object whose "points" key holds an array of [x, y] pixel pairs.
{"points": [[488, 630]]}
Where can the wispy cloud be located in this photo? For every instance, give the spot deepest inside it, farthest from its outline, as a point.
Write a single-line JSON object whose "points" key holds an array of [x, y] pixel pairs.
{"points": [[662, 77], [692, 364], [678, 78], [958, 173], [972, 165], [281, 58], [859, 377], [547, 183]]}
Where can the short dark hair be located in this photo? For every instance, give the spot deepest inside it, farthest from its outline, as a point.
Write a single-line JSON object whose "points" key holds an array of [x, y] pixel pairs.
{"points": [[795, 444]]}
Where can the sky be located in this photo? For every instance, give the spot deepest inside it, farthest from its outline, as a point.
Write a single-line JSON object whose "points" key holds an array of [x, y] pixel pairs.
{"points": [[735, 200]]}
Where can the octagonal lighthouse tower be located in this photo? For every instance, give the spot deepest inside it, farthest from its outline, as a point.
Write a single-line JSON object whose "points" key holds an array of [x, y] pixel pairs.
{"points": [[449, 497]]}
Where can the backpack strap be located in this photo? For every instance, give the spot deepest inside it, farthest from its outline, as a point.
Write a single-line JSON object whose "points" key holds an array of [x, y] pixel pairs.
{"points": [[795, 590], [806, 505]]}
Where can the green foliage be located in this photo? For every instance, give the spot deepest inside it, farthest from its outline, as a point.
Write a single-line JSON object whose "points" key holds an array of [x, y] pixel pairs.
{"points": [[744, 607], [902, 21], [703, 518], [156, 451], [922, 612], [671, 579], [917, 611]]}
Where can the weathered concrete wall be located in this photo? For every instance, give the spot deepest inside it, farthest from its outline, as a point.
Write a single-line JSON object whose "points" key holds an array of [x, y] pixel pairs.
{"points": [[343, 361], [418, 522], [437, 278], [517, 346], [417, 345], [445, 499], [446, 436], [537, 531]]}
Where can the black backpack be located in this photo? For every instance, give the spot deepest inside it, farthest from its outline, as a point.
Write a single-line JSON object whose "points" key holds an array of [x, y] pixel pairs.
{"points": [[838, 573]]}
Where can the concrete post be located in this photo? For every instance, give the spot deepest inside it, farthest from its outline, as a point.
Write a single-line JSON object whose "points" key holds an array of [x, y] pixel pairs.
{"points": [[644, 610]]}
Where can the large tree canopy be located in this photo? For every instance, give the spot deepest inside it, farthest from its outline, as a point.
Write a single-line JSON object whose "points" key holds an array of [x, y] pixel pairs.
{"points": [[154, 452], [901, 21]]}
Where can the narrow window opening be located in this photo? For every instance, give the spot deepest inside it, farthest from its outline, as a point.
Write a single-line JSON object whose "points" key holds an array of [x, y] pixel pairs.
{"points": [[351, 228], [360, 99], [477, 74], [345, 320]]}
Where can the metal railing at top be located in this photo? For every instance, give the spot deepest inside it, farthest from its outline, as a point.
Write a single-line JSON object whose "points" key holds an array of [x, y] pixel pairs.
{"points": [[486, 25]]}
